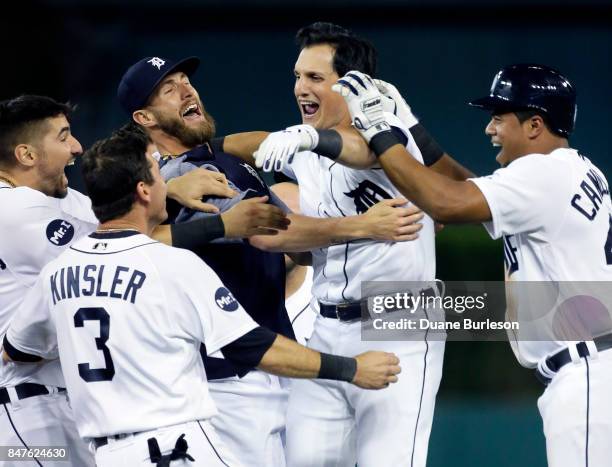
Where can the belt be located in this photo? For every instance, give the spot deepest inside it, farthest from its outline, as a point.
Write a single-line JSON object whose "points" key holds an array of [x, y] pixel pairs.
{"points": [[342, 311], [555, 362], [351, 311], [25, 390], [104, 440]]}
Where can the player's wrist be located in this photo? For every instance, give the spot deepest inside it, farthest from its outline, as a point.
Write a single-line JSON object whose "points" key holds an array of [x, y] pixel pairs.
{"points": [[382, 141], [337, 368], [429, 147], [195, 234], [329, 144], [351, 228], [172, 192]]}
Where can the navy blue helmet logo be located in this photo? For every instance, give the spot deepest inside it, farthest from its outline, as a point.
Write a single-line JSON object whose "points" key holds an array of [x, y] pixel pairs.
{"points": [[366, 195], [225, 300], [60, 232]]}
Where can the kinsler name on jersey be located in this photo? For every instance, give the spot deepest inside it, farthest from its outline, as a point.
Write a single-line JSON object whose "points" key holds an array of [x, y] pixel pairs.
{"points": [[93, 279]]}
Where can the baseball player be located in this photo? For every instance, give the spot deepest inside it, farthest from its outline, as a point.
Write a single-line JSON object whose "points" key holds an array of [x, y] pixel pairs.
{"points": [[157, 93], [544, 197], [127, 315], [393, 426], [41, 216]]}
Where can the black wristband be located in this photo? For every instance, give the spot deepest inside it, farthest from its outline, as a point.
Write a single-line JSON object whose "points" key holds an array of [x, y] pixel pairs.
{"points": [[330, 144], [194, 234], [337, 368], [216, 144], [429, 147], [383, 141]]}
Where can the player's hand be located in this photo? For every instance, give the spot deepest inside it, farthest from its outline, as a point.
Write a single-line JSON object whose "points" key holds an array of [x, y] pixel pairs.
{"points": [[280, 147], [376, 370], [391, 220], [254, 217], [364, 101], [394, 103], [189, 189]]}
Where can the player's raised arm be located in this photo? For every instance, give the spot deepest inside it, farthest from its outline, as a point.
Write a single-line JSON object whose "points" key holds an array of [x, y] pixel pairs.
{"points": [[434, 156], [344, 145], [241, 145], [444, 199], [278, 355]]}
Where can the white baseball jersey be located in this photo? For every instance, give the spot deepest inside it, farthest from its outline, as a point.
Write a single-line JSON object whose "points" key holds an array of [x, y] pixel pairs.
{"points": [[35, 229], [126, 315], [341, 269], [555, 216], [302, 309]]}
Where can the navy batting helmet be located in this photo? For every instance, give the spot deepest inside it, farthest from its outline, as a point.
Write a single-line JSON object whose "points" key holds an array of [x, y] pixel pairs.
{"points": [[533, 87]]}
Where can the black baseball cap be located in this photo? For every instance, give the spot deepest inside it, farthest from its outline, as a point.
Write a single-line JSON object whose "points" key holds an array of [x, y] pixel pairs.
{"points": [[141, 79]]}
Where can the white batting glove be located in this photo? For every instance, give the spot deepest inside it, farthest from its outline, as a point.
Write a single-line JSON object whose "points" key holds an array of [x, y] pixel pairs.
{"points": [[395, 103], [364, 102], [279, 147]]}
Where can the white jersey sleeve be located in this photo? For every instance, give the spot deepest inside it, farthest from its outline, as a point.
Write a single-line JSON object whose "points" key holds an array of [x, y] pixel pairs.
{"points": [[219, 318], [523, 196], [37, 228], [32, 330]]}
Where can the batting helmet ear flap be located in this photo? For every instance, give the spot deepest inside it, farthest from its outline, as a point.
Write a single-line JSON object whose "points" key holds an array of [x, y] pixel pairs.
{"points": [[533, 87]]}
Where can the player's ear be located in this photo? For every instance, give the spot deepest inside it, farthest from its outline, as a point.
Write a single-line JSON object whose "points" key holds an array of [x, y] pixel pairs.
{"points": [[144, 118], [26, 155], [535, 126], [143, 192]]}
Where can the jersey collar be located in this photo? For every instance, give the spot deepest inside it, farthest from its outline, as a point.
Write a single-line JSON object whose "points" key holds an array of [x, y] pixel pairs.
{"points": [[114, 234]]}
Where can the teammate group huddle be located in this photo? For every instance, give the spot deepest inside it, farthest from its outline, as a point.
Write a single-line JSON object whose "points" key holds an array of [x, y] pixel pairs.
{"points": [[168, 355]]}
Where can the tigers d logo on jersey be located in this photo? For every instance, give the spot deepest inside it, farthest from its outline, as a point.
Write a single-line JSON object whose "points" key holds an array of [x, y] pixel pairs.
{"points": [[60, 232], [366, 195], [225, 300], [510, 257]]}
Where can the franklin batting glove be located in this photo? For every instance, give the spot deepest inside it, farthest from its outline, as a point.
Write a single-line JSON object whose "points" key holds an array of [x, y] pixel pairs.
{"points": [[280, 147], [364, 102]]}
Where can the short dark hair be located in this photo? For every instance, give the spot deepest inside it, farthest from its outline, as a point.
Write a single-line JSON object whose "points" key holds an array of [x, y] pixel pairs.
{"points": [[21, 120], [524, 115], [350, 52], [113, 167]]}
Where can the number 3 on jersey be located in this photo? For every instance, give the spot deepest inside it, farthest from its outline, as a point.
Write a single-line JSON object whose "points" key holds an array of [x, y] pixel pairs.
{"points": [[100, 315]]}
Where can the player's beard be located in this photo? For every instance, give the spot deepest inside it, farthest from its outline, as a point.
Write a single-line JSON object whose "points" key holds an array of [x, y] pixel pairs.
{"points": [[188, 136]]}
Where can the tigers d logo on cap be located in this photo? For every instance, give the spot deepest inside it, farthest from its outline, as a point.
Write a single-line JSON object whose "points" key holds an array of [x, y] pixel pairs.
{"points": [[140, 80]]}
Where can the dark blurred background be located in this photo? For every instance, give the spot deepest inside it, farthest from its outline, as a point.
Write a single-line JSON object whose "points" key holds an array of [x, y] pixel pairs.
{"points": [[439, 53]]}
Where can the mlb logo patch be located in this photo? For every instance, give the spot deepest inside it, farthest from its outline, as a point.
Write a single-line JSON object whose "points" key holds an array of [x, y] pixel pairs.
{"points": [[225, 300]]}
